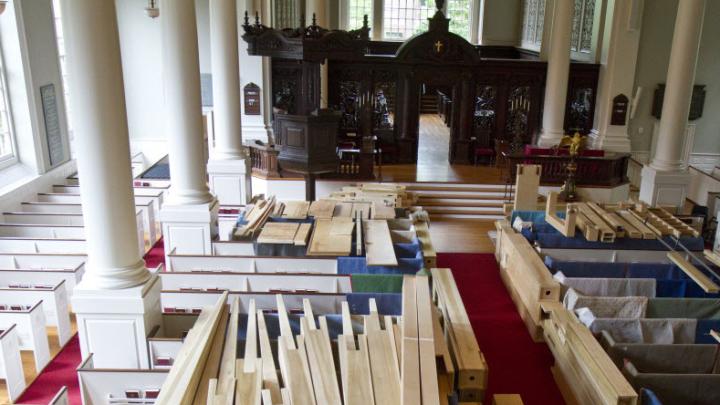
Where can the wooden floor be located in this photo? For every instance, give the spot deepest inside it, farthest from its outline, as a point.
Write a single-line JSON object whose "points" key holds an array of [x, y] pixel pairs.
{"points": [[433, 164], [28, 360], [462, 235]]}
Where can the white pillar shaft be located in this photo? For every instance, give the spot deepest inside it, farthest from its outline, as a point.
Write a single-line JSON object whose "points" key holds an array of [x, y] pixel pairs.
{"points": [[103, 149], [266, 13], [225, 79], [558, 70], [183, 106], [319, 8], [679, 86]]}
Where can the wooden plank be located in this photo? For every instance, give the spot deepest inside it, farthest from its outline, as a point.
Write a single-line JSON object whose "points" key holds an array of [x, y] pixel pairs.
{"points": [[589, 230], [331, 238], [284, 322], [527, 183], [694, 273], [322, 366], [713, 257], [248, 388], [361, 207], [251, 331], [355, 374], [382, 211], [410, 392], [564, 226], [507, 399], [426, 342], [297, 379], [471, 365], [607, 234], [212, 364], [343, 210], [638, 224], [278, 233], [630, 230], [182, 381], [322, 209], [303, 232], [442, 353], [423, 234], [227, 364], [383, 361], [378, 244], [269, 372], [358, 235], [296, 209], [715, 335]]}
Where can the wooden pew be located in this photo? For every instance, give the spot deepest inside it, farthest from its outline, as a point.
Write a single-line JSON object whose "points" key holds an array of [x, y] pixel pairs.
{"points": [[43, 218], [54, 298], [44, 246], [31, 327], [252, 264], [232, 248], [61, 398], [42, 231], [118, 386], [142, 199], [323, 303], [257, 282], [11, 368], [142, 204]]}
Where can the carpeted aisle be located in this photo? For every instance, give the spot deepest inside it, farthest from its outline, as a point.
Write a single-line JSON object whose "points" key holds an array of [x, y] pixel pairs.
{"points": [[517, 365], [60, 371]]}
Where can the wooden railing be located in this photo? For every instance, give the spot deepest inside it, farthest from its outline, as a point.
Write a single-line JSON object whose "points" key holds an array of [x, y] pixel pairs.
{"points": [[264, 160], [607, 171]]}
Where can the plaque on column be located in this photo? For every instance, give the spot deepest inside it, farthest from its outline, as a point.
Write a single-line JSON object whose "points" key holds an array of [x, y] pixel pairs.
{"points": [[619, 110], [252, 99]]}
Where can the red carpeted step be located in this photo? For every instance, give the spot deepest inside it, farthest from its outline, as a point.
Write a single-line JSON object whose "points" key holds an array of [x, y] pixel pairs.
{"points": [[517, 364]]}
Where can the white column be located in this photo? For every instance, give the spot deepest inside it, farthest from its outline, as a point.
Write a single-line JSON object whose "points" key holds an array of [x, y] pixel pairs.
{"points": [[189, 216], [118, 300], [319, 8], [227, 168], [665, 180], [558, 69], [267, 103], [617, 75], [376, 30]]}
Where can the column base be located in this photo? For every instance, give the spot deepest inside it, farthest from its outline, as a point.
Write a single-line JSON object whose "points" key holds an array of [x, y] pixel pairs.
{"points": [[549, 138], [229, 180], [189, 229], [113, 324], [610, 142], [666, 188]]}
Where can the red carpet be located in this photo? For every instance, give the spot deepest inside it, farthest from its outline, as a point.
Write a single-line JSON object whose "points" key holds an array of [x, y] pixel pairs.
{"points": [[517, 365], [60, 371]]}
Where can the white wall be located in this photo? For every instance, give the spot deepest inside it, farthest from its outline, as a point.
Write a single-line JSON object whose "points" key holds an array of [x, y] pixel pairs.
{"points": [[653, 58], [500, 23]]}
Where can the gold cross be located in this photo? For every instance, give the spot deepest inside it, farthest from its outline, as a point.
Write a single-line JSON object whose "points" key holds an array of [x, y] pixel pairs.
{"points": [[438, 46]]}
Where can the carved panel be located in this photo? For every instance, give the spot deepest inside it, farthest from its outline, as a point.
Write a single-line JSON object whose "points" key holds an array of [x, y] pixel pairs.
{"points": [[348, 104], [384, 105], [518, 110]]}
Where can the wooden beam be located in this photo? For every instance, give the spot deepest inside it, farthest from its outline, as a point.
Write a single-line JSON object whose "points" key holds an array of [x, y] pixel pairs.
{"points": [[713, 257], [269, 372], [322, 366], [248, 388], [410, 393], [355, 373], [426, 342], [527, 183], [589, 230], [566, 226], [303, 232], [607, 234], [379, 249], [212, 364], [227, 364], [383, 359], [647, 233], [694, 273]]}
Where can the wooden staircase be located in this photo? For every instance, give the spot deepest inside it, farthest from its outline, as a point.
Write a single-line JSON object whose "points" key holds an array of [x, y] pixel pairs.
{"points": [[428, 104], [468, 201]]}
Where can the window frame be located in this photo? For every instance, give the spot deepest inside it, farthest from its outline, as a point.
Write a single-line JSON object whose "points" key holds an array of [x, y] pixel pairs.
{"points": [[12, 158]]}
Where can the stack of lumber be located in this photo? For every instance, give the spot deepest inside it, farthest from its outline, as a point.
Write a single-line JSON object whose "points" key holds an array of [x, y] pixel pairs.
{"points": [[331, 237], [387, 193], [348, 208], [291, 233], [389, 361], [292, 209], [625, 220], [255, 218], [582, 369]]}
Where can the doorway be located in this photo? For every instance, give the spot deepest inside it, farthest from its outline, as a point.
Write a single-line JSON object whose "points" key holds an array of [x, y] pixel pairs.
{"points": [[433, 128]]}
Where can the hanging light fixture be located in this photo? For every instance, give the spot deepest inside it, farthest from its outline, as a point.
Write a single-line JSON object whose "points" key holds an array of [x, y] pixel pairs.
{"points": [[152, 10], [3, 4]]}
